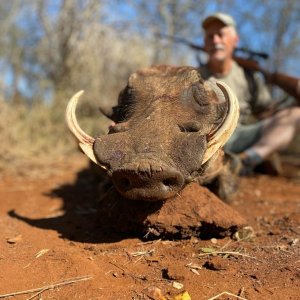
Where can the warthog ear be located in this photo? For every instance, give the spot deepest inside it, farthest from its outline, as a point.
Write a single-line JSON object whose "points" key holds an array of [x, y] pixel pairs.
{"points": [[123, 109], [228, 104], [218, 99], [215, 94]]}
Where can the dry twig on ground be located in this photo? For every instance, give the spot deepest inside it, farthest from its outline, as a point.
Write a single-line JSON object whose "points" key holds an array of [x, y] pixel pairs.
{"points": [[228, 294], [40, 290]]}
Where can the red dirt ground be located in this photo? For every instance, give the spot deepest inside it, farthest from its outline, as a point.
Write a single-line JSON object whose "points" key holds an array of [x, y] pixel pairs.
{"points": [[49, 234]]}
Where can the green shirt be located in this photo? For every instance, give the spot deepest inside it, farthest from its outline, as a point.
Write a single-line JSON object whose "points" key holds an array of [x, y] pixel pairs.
{"points": [[237, 81]]}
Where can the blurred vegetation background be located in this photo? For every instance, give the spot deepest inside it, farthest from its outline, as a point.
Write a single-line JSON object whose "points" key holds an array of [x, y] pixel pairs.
{"points": [[50, 49]]}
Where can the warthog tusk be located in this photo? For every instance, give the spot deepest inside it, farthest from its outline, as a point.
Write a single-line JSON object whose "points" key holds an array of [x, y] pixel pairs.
{"points": [[84, 140], [228, 126]]}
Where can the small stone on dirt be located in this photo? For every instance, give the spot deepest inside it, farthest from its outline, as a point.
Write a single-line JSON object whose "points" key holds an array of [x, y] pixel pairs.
{"points": [[15, 239], [177, 285], [171, 273], [214, 265], [214, 241]]}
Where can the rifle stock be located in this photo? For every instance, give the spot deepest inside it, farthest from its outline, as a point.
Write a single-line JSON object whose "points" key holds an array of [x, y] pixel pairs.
{"points": [[289, 84], [249, 64]]}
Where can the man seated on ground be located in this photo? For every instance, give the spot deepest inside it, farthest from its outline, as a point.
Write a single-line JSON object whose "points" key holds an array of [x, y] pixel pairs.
{"points": [[253, 141]]}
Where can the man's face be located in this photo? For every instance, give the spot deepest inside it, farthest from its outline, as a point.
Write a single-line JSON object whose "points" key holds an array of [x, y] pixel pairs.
{"points": [[220, 41]]}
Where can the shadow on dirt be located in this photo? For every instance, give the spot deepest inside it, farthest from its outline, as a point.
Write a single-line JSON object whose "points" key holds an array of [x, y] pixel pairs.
{"points": [[89, 216], [78, 219]]}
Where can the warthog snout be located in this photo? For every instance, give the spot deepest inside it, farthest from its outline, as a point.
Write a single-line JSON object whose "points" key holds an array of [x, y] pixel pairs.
{"points": [[147, 181]]}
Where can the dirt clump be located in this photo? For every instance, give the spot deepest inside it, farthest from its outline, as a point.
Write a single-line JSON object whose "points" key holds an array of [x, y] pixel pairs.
{"points": [[194, 212]]}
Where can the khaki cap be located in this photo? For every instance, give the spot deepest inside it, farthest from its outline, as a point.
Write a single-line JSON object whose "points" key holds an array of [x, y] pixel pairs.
{"points": [[224, 18]]}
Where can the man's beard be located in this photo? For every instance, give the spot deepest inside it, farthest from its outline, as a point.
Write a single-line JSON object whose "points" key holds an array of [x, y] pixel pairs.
{"points": [[218, 53]]}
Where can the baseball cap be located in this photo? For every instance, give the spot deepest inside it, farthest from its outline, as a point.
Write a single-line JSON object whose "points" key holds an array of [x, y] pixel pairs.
{"points": [[224, 18]]}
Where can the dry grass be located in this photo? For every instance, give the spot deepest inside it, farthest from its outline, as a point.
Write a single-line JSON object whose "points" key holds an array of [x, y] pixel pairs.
{"points": [[37, 136]]}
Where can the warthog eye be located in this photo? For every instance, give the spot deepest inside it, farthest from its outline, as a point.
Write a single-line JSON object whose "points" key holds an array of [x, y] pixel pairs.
{"points": [[189, 127]]}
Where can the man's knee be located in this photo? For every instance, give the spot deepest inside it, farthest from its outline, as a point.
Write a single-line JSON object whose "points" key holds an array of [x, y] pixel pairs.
{"points": [[293, 117], [288, 116], [296, 116], [293, 112]]}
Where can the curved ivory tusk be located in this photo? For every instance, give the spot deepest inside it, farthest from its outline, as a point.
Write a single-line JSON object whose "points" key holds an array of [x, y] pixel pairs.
{"points": [[228, 126], [85, 141], [88, 151]]}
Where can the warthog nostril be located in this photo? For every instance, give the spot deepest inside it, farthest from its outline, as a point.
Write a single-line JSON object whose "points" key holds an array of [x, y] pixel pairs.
{"points": [[154, 186], [170, 182], [124, 183]]}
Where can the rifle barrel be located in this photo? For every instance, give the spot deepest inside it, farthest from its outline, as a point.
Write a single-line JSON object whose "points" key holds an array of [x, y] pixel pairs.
{"points": [[194, 46]]}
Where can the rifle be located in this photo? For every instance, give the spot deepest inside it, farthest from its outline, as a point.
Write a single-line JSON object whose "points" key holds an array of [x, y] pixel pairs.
{"points": [[251, 54], [289, 84]]}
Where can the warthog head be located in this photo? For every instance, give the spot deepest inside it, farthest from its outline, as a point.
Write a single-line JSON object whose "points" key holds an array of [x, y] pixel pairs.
{"points": [[169, 124]]}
